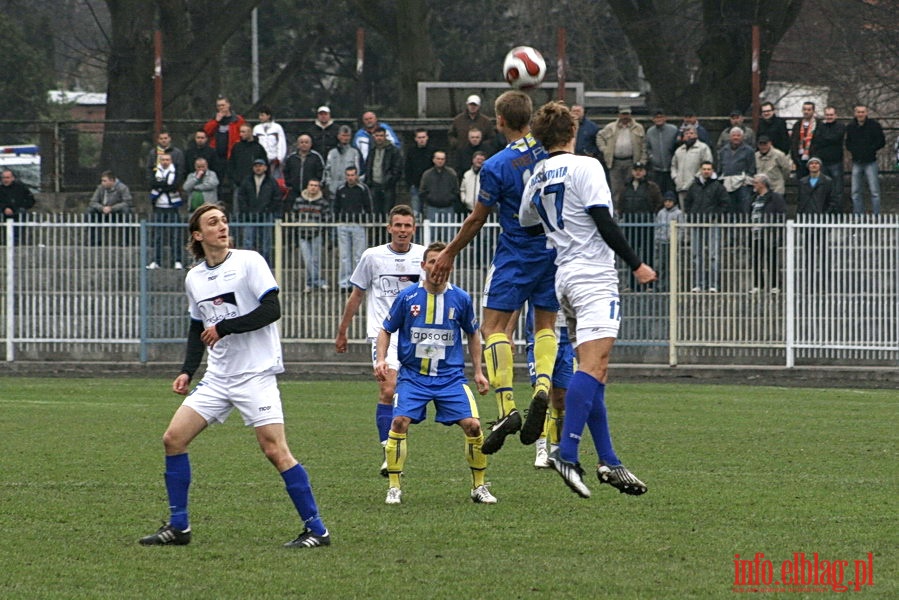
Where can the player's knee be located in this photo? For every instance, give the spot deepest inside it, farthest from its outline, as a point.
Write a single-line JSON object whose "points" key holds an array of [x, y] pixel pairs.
{"points": [[173, 443], [400, 424], [471, 427], [277, 454]]}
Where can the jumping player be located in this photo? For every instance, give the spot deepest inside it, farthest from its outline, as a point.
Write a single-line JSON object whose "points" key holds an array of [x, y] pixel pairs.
{"points": [[522, 270], [429, 319], [382, 273], [233, 304], [568, 195]]}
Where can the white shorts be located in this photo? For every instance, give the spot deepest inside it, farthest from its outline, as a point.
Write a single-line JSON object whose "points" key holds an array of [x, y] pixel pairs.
{"points": [[393, 360], [594, 305], [256, 397]]}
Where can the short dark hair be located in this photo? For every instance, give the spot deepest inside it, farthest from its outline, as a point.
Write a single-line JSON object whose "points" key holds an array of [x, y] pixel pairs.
{"points": [[515, 107], [379, 128], [351, 168], [265, 109], [107, 175], [403, 210]]}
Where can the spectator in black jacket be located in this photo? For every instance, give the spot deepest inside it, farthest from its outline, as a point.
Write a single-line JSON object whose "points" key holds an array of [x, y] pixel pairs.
{"points": [[383, 169], [768, 207], [706, 201], [243, 156], [418, 160], [774, 127], [352, 204], [15, 197], [864, 137], [260, 202], [301, 167], [440, 190], [827, 144]]}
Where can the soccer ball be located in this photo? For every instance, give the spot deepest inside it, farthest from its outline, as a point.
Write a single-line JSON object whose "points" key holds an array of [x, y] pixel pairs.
{"points": [[524, 67]]}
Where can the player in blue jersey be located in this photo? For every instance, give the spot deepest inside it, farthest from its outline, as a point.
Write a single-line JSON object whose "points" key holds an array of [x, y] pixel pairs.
{"points": [[522, 270], [568, 197], [428, 319], [233, 304]]}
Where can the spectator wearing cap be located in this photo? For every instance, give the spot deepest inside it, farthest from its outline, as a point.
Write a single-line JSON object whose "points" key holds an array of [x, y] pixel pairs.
{"points": [[622, 143], [468, 119], [669, 212], [363, 140], [736, 120], [661, 140], [324, 131], [773, 163], [691, 120], [639, 202], [260, 203], [816, 192], [240, 165]]}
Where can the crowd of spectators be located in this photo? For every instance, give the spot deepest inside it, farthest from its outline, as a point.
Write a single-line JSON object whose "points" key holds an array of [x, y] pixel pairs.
{"points": [[332, 173]]}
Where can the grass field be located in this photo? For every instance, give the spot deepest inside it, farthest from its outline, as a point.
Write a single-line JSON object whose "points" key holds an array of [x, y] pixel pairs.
{"points": [[731, 470]]}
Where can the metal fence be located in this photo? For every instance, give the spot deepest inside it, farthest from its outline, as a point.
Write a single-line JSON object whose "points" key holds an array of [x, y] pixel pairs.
{"points": [[809, 291]]}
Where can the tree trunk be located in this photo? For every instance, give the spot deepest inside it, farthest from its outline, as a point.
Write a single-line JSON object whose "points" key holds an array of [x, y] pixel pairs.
{"points": [[129, 93], [722, 80]]}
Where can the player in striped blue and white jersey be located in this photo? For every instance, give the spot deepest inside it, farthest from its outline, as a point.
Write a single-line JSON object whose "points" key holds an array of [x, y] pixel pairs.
{"points": [[567, 197], [429, 319]]}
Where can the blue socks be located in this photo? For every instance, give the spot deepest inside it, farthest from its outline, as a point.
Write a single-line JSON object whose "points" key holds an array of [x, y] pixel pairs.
{"points": [[177, 482], [585, 405], [296, 481], [383, 419], [598, 423]]}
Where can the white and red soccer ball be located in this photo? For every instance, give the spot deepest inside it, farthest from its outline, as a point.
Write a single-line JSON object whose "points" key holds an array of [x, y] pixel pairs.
{"points": [[524, 67]]}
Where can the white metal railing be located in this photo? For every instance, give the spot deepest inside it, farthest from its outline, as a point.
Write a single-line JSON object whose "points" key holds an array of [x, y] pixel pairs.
{"points": [[809, 291]]}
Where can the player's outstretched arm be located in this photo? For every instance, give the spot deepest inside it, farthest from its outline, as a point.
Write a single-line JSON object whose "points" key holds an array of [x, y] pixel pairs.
{"points": [[349, 311], [467, 232], [612, 235]]}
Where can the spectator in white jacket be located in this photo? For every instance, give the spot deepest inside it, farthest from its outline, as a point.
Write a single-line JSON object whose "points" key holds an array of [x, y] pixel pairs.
{"points": [[271, 136]]}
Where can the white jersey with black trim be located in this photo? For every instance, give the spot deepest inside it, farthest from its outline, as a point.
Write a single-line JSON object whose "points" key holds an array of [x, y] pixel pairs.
{"points": [[228, 290], [384, 273], [558, 195]]}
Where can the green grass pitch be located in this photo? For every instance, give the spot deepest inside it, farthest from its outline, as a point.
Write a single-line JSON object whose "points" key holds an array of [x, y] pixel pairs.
{"points": [[730, 470]]}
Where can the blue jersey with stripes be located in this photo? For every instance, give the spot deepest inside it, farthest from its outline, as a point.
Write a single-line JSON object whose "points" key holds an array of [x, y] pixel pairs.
{"points": [[502, 180], [430, 329]]}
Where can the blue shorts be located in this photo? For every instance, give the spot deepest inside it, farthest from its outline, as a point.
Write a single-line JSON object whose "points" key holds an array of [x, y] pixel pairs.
{"points": [[518, 275], [453, 402], [563, 368]]}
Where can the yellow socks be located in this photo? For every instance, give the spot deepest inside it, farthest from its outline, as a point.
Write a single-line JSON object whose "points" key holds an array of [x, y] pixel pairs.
{"points": [[396, 452], [498, 356], [477, 460], [546, 346]]}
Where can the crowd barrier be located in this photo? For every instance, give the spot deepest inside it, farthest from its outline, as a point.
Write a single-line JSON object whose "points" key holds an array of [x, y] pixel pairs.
{"points": [[814, 290]]}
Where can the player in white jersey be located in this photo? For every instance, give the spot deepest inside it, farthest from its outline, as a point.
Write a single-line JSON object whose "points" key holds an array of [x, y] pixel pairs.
{"points": [[233, 305], [569, 199], [382, 273]]}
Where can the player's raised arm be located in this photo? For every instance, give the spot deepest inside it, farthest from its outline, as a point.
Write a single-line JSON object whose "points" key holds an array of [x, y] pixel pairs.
{"points": [[467, 232]]}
